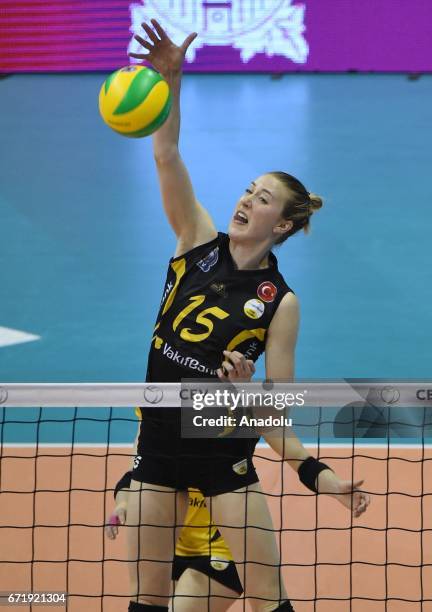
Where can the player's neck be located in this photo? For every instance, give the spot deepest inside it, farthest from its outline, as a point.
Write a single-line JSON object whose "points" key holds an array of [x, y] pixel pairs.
{"points": [[248, 257]]}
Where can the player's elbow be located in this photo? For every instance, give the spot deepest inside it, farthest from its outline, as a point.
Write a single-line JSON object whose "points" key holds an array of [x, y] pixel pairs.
{"points": [[166, 155]]}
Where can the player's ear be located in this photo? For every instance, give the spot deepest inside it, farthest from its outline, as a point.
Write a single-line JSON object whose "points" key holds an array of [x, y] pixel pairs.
{"points": [[283, 227]]}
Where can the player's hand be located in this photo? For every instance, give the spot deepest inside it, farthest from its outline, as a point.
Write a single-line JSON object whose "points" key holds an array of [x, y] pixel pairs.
{"points": [[166, 57], [351, 497], [117, 518], [236, 367]]}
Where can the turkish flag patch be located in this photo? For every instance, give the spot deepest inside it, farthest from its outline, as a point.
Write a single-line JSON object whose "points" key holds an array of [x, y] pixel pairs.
{"points": [[267, 291]]}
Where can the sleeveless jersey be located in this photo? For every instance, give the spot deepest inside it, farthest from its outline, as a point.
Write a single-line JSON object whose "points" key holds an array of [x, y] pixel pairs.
{"points": [[209, 306]]}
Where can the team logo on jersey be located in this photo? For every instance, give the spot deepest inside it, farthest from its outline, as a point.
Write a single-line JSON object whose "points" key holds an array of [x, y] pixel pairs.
{"points": [[241, 467], [168, 288], [266, 291], [219, 288], [209, 260], [137, 461], [218, 564], [252, 348], [254, 309], [185, 360]]}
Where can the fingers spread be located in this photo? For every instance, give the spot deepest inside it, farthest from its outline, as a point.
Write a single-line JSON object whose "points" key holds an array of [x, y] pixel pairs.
{"points": [[159, 29], [188, 41], [143, 42], [150, 33], [139, 56]]}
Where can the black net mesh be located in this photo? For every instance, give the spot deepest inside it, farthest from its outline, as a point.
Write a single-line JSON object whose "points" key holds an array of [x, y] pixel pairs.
{"points": [[56, 498]]}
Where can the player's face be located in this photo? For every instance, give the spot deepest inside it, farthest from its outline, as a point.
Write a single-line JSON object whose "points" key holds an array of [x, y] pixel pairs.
{"points": [[258, 214]]}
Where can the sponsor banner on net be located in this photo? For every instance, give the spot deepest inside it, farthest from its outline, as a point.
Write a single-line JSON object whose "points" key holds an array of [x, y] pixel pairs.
{"points": [[201, 393]]}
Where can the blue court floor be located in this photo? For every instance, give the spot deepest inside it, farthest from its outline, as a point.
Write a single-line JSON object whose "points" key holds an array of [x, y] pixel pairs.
{"points": [[84, 242]]}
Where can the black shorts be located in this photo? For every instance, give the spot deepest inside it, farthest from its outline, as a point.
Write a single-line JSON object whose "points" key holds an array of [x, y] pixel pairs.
{"points": [[224, 572], [214, 466]]}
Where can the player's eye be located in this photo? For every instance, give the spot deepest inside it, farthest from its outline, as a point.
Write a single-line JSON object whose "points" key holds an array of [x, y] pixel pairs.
{"points": [[263, 200]]}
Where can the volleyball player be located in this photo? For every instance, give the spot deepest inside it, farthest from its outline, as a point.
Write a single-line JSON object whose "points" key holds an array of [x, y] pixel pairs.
{"points": [[203, 567], [224, 303], [203, 570]]}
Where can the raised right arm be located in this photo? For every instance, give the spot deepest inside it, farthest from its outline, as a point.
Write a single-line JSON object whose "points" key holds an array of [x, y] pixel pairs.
{"points": [[189, 219]]}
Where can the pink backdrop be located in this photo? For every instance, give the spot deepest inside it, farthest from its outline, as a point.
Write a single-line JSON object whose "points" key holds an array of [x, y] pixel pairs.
{"points": [[338, 35]]}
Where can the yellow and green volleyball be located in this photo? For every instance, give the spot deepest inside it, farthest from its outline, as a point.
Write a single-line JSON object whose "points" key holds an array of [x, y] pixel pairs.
{"points": [[134, 101]]}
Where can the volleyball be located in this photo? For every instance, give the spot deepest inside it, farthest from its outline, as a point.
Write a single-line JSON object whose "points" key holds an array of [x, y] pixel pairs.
{"points": [[134, 101]]}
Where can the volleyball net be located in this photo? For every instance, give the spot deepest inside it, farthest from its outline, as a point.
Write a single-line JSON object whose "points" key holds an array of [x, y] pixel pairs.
{"points": [[63, 448]]}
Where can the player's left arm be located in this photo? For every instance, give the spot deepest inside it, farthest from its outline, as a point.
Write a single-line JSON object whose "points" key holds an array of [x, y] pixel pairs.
{"points": [[280, 366]]}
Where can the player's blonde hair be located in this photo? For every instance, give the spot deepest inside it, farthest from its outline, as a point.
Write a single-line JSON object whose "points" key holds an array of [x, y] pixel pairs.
{"points": [[299, 206]]}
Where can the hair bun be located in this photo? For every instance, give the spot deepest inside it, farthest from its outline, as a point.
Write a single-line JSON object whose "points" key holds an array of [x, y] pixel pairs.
{"points": [[316, 202]]}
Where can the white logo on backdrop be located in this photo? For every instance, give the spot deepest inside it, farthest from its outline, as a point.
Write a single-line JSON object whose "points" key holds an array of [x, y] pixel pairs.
{"points": [[273, 27]]}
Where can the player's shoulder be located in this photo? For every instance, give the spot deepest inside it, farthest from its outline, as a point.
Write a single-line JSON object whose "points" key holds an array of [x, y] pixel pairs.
{"points": [[191, 250], [289, 303], [287, 306], [286, 319]]}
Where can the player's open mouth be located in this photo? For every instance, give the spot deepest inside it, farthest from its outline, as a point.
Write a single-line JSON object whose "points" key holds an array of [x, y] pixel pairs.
{"points": [[240, 217]]}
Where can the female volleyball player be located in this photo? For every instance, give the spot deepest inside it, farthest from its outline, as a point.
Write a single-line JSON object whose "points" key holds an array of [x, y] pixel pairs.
{"points": [[224, 303], [204, 574], [203, 569]]}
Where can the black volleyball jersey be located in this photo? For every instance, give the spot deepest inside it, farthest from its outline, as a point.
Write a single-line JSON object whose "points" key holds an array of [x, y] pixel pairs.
{"points": [[209, 306]]}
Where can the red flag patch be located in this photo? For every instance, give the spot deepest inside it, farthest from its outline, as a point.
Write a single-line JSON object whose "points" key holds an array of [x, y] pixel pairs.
{"points": [[267, 291]]}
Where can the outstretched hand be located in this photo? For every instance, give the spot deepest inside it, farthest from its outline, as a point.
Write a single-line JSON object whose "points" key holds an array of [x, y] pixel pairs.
{"points": [[351, 497], [166, 57]]}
